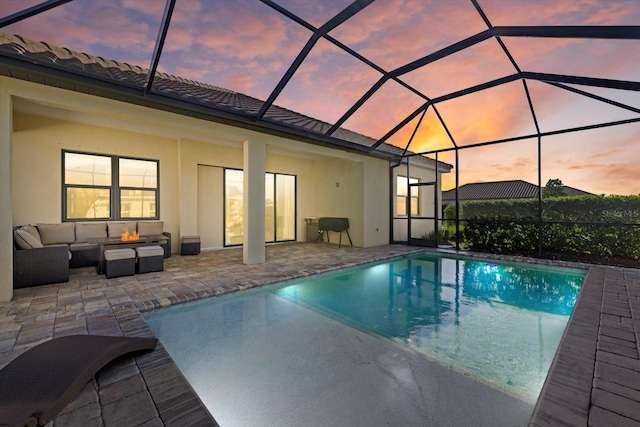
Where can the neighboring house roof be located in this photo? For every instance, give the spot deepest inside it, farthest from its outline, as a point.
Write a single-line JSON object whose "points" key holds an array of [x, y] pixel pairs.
{"points": [[501, 190], [176, 87], [570, 191]]}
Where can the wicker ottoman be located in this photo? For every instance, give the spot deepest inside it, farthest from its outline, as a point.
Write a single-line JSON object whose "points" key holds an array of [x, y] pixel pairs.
{"points": [[150, 258], [190, 245], [119, 262]]}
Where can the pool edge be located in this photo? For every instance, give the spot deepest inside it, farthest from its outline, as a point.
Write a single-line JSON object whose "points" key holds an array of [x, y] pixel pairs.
{"points": [[565, 398]]}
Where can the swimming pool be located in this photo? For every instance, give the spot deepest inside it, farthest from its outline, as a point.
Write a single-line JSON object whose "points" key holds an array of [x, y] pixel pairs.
{"points": [[403, 341]]}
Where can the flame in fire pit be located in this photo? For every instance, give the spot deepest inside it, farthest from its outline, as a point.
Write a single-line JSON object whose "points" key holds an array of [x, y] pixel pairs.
{"points": [[126, 236]]}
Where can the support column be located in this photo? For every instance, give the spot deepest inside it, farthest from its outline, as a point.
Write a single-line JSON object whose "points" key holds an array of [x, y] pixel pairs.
{"points": [[6, 206], [253, 250]]}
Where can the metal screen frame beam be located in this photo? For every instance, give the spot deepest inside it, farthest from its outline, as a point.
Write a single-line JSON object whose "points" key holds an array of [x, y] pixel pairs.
{"points": [[606, 32], [342, 16], [593, 96], [157, 51], [32, 11]]}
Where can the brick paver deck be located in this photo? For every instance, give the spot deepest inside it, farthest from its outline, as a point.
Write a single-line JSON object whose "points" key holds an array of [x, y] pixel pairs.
{"points": [[595, 377]]}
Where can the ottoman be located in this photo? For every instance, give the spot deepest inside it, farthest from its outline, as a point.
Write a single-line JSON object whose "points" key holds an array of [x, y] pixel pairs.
{"points": [[190, 245], [150, 258], [119, 262]]}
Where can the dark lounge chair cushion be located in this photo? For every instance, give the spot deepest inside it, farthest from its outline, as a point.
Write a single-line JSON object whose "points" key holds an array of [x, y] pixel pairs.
{"points": [[42, 381]]}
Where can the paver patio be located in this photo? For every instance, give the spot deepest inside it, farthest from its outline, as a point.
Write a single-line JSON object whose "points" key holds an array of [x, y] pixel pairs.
{"points": [[595, 378]]}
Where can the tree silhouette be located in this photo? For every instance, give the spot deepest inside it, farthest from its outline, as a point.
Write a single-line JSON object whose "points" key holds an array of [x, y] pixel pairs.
{"points": [[554, 188]]}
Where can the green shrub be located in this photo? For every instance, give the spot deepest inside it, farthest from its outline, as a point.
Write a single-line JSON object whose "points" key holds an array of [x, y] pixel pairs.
{"points": [[443, 235], [492, 225]]}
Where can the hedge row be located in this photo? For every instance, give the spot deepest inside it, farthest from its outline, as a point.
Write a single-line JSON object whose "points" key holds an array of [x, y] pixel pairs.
{"points": [[490, 226], [592, 208]]}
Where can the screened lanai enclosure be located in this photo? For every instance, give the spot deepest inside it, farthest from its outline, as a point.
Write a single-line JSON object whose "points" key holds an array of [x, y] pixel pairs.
{"points": [[484, 91]]}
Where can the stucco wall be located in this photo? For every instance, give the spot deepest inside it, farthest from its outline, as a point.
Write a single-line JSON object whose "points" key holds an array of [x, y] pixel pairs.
{"points": [[340, 186], [376, 202], [37, 161]]}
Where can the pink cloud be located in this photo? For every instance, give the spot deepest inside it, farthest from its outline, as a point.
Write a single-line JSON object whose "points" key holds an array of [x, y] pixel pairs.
{"points": [[398, 32], [178, 39], [478, 64], [81, 26], [152, 9], [190, 73], [386, 108], [9, 7], [553, 12], [244, 83]]}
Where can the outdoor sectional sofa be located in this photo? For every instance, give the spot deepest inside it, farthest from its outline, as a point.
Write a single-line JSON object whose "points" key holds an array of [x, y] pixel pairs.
{"points": [[43, 253]]}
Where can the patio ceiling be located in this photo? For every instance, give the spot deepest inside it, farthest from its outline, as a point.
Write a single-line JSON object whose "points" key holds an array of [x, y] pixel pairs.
{"points": [[383, 77]]}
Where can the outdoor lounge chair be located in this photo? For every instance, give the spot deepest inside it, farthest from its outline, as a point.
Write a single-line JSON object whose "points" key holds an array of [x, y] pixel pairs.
{"points": [[38, 384]]}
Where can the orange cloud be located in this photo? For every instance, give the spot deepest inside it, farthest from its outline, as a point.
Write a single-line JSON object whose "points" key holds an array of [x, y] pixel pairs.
{"points": [[430, 136], [606, 154], [491, 114]]}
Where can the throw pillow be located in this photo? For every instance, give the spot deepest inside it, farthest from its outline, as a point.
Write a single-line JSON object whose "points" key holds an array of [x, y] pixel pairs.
{"points": [[25, 240]]}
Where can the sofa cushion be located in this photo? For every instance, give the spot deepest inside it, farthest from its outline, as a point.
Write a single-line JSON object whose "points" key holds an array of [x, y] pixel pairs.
{"points": [[25, 240], [116, 228], [90, 230], [150, 228], [51, 234], [31, 229], [83, 246]]}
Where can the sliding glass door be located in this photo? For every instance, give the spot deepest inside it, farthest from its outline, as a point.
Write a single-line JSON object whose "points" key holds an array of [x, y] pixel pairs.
{"points": [[280, 207], [233, 205], [285, 207]]}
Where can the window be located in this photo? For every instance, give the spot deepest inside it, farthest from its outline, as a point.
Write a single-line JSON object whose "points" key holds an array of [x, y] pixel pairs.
{"points": [[402, 196], [280, 207], [109, 187], [233, 206]]}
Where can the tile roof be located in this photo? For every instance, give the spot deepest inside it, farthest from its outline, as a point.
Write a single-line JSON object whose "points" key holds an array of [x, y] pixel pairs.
{"points": [[501, 190], [570, 191], [214, 97]]}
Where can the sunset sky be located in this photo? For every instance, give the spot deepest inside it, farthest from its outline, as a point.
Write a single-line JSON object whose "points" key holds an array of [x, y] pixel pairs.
{"points": [[247, 46]]}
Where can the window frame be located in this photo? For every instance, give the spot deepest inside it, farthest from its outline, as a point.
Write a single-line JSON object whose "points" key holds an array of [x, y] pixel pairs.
{"points": [[115, 211], [225, 243], [408, 198]]}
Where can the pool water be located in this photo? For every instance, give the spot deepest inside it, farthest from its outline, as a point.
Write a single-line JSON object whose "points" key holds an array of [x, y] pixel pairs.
{"points": [[396, 343], [501, 323]]}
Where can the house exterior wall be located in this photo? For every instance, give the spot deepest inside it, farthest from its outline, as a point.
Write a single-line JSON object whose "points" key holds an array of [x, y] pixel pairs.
{"points": [[376, 214], [37, 163], [31, 144], [6, 215], [340, 186]]}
